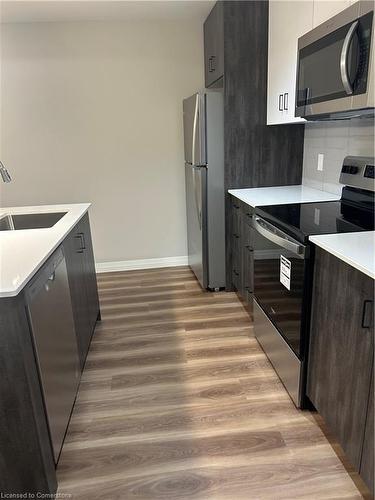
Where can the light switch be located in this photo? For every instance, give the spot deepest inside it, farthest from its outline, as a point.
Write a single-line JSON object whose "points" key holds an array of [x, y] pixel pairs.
{"points": [[320, 161]]}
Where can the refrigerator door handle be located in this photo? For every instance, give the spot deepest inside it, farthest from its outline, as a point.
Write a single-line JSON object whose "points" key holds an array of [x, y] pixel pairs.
{"points": [[197, 196], [195, 123]]}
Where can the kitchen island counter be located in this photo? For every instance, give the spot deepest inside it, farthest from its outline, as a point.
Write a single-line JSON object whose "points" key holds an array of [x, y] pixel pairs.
{"points": [[24, 251]]}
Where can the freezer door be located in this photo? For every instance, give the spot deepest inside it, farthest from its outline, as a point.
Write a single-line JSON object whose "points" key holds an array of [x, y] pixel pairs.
{"points": [[196, 210], [195, 130]]}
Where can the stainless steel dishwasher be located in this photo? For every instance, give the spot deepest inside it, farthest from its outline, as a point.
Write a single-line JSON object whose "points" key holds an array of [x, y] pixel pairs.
{"points": [[51, 319]]}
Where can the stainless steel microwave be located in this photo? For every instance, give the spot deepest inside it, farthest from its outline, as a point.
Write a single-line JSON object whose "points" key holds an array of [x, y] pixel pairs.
{"points": [[335, 69]]}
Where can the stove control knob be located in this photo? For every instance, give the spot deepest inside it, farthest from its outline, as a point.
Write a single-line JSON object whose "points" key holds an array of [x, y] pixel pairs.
{"points": [[349, 169]]}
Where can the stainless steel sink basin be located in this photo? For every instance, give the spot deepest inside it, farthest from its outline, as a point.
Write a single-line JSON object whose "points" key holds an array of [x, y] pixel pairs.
{"points": [[29, 221]]}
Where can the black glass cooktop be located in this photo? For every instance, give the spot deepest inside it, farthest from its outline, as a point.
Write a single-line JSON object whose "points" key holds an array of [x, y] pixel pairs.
{"points": [[301, 220]]}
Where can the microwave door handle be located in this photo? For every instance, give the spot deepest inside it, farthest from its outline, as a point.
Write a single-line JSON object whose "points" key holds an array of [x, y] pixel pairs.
{"points": [[344, 59], [259, 226]]}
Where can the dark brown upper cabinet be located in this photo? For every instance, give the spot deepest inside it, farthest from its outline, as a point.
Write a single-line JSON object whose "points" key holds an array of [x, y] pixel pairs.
{"points": [[214, 46], [341, 357]]}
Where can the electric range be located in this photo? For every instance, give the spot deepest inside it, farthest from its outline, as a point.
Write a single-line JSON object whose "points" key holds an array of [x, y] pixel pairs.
{"points": [[283, 267]]}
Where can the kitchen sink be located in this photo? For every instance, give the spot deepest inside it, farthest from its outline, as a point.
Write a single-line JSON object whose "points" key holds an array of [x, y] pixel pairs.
{"points": [[29, 221]]}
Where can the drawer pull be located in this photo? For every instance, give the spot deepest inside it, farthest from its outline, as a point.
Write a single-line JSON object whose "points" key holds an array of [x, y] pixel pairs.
{"points": [[367, 314]]}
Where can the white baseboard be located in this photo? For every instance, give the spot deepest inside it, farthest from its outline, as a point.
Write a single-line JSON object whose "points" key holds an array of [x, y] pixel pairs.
{"points": [[128, 265]]}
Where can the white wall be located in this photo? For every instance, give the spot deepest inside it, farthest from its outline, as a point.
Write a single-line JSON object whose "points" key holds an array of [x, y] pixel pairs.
{"points": [[92, 111], [335, 140]]}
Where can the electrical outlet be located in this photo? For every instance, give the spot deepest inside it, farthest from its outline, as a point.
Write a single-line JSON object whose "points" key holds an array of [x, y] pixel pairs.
{"points": [[320, 162]]}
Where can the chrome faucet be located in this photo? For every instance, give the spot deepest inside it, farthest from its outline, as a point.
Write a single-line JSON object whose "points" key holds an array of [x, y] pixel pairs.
{"points": [[4, 173]]}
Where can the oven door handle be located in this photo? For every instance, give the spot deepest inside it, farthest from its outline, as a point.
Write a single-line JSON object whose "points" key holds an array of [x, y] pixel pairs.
{"points": [[344, 59], [274, 235]]}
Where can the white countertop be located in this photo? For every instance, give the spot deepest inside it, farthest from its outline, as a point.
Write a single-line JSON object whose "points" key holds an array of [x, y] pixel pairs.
{"points": [[356, 249], [281, 195], [23, 252]]}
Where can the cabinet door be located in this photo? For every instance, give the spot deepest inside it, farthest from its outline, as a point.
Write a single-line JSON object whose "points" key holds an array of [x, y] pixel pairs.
{"points": [[214, 45], [325, 9], [341, 351], [76, 275], [248, 261], [236, 245], [288, 20], [89, 273]]}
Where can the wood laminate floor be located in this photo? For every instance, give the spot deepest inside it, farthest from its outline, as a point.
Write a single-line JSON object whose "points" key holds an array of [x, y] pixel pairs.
{"points": [[178, 401]]}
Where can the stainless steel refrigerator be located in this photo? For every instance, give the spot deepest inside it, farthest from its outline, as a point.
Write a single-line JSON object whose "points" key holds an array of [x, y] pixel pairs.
{"points": [[204, 175]]}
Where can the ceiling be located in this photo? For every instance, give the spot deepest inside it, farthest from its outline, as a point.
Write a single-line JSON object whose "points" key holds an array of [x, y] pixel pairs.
{"points": [[16, 11]]}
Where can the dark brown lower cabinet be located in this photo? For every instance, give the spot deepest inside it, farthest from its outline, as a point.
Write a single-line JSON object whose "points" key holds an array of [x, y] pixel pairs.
{"points": [[242, 250], [236, 245], [367, 462], [341, 356], [26, 460], [27, 464], [247, 259], [82, 282]]}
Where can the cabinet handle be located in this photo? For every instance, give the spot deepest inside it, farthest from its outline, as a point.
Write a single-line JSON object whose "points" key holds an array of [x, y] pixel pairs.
{"points": [[83, 241], [248, 247], [286, 101], [210, 65], [281, 102], [367, 315], [81, 238], [213, 66]]}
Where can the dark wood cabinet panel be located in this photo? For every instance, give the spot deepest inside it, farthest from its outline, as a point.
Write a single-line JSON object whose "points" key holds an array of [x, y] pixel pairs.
{"points": [[248, 260], [256, 155], [236, 237], [367, 462], [89, 274], [26, 459], [82, 282], [242, 249], [214, 45], [341, 351], [76, 275]]}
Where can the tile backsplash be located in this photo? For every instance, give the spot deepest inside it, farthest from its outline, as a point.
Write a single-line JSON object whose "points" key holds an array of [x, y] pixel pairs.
{"points": [[334, 140]]}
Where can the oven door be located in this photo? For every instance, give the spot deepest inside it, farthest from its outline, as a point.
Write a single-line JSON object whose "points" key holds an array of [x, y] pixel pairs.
{"points": [[280, 279], [333, 65]]}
